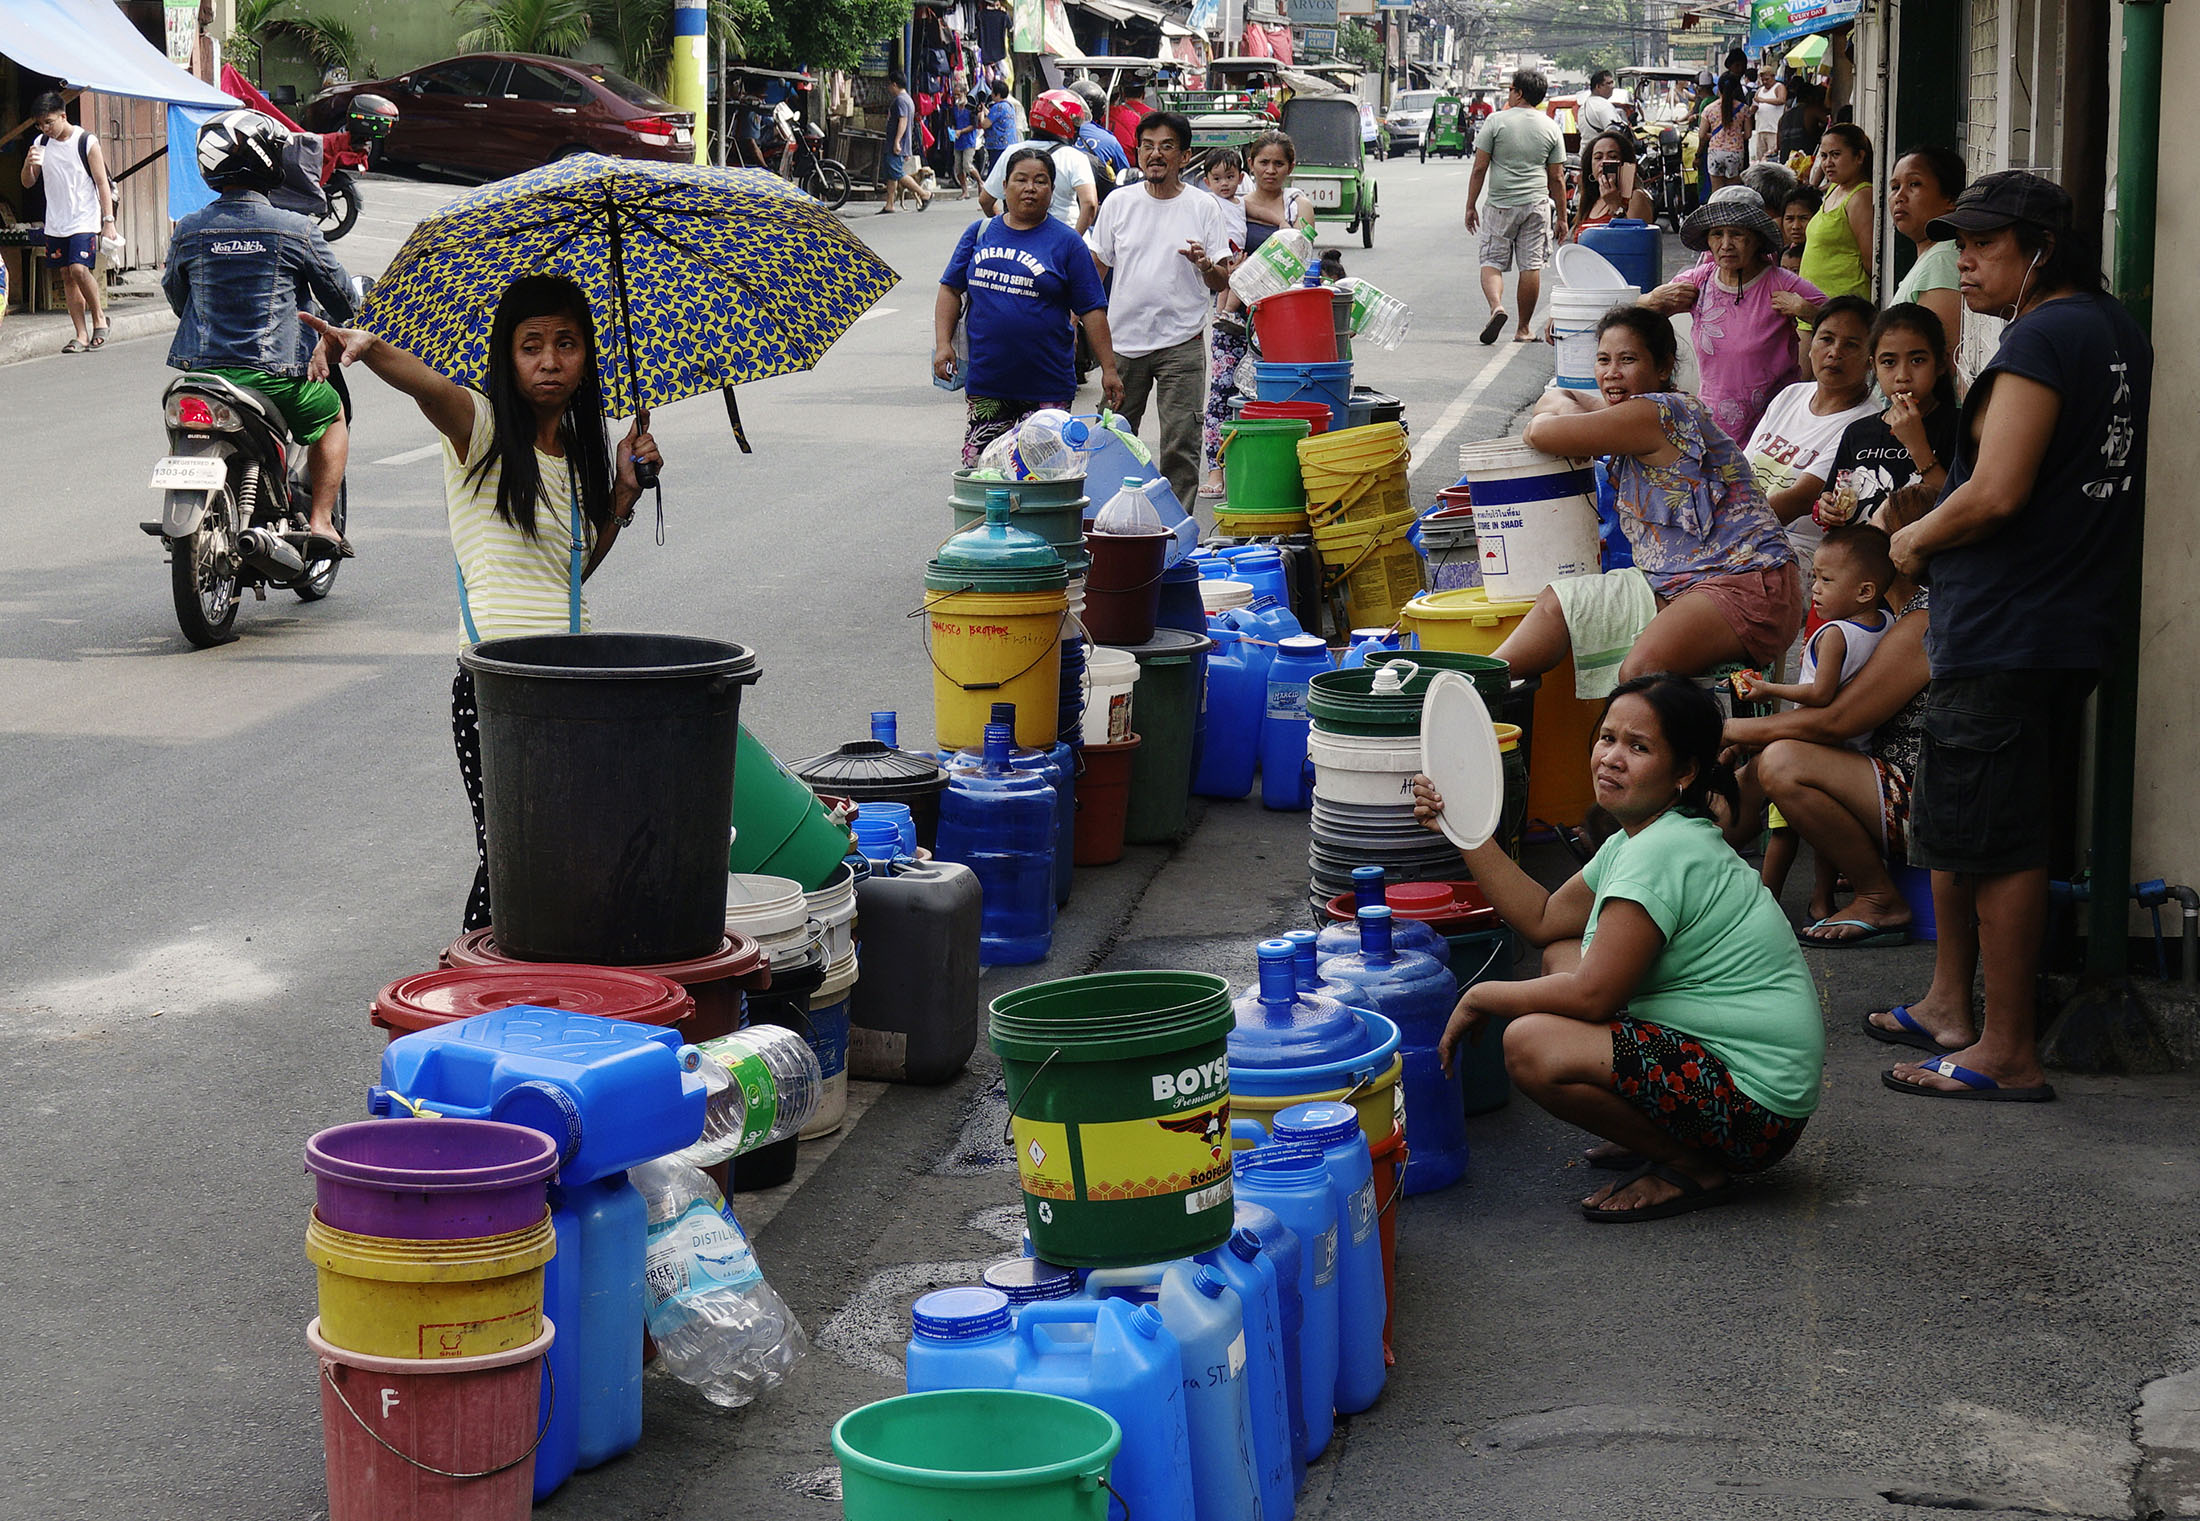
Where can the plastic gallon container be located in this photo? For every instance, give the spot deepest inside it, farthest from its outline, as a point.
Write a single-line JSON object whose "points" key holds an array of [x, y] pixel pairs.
{"points": [[1334, 1130], [1237, 690], [602, 875], [870, 772], [999, 820], [1294, 1183], [1172, 711], [1284, 783], [1417, 993], [1631, 247], [1123, 1359], [1056, 762], [961, 1338], [1279, 1247], [940, 1457], [914, 1017], [1208, 1321], [1252, 1277]]}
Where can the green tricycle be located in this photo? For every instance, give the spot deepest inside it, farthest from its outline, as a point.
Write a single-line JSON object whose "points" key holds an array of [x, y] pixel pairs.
{"points": [[1332, 161], [1450, 130]]}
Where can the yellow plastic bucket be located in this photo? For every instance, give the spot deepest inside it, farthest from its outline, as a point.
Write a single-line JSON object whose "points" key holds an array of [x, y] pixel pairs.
{"points": [[1381, 1105], [1356, 475], [1372, 565], [990, 647], [1558, 770], [1258, 525], [430, 1299]]}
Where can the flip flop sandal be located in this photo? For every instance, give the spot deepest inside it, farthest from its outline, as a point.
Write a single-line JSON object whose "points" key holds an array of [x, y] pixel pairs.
{"points": [[99, 337], [1976, 1085], [321, 546], [74, 346], [1874, 935], [1692, 1196], [1912, 1034], [1495, 325]]}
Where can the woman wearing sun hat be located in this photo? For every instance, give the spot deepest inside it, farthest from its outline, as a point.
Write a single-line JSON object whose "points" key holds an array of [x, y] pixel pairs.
{"points": [[1744, 307]]}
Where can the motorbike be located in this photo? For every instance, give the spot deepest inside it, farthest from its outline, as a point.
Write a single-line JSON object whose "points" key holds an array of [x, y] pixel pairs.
{"points": [[1661, 172], [803, 161], [236, 502]]}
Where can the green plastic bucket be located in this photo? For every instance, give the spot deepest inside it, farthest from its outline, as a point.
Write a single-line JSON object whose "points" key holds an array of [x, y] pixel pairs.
{"points": [[1172, 715], [1345, 702], [1490, 675], [1119, 1102], [1260, 464], [976, 1455], [780, 829], [1054, 510]]}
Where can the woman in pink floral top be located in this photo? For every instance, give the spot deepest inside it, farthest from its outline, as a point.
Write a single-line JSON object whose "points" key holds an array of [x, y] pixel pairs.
{"points": [[1714, 580]]}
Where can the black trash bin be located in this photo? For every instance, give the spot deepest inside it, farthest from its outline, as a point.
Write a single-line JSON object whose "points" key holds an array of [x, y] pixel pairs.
{"points": [[607, 774]]}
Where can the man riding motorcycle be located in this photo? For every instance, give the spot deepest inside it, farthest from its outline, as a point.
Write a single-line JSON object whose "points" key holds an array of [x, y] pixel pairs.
{"points": [[239, 271]]}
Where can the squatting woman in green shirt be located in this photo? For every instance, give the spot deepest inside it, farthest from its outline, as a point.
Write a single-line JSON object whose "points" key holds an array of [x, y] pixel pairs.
{"points": [[1675, 1016]]}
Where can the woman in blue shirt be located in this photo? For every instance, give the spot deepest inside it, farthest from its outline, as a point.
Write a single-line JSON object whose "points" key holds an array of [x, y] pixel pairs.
{"points": [[1017, 280]]}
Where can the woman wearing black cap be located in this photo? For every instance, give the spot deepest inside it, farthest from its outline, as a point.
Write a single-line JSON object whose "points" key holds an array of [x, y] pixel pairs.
{"points": [[2027, 555]]}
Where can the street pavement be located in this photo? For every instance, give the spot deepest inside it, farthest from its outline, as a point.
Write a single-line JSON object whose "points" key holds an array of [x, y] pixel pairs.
{"points": [[217, 857]]}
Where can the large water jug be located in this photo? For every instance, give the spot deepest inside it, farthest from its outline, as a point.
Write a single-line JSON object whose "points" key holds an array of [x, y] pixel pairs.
{"points": [[1123, 1359], [1368, 889], [1237, 689], [913, 1012], [1280, 1245], [1058, 764], [1417, 993], [1631, 247], [1252, 1277], [1367, 642], [1268, 618], [1260, 566], [1295, 1183], [1208, 1321], [999, 820], [963, 1338], [1334, 1131], [1036, 449], [1285, 781], [1280, 1026]]}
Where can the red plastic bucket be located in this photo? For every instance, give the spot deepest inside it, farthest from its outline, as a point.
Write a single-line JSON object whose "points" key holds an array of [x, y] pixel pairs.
{"points": [[1315, 414], [716, 981], [427, 999], [1389, 1158], [1123, 585], [1103, 803], [1297, 327], [430, 1180], [452, 1439]]}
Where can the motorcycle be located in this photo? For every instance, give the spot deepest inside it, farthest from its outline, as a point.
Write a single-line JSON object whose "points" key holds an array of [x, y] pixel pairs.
{"points": [[236, 502], [803, 161], [1661, 172]]}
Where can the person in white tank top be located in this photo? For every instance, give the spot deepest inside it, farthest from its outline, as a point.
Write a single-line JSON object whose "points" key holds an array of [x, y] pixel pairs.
{"points": [[66, 160]]}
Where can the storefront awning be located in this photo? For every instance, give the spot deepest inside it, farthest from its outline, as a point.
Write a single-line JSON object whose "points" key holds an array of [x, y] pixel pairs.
{"points": [[89, 43], [1772, 22]]}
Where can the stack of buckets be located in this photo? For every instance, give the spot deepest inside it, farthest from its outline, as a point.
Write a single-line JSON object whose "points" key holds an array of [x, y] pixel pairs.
{"points": [[429, 1238], [994, 602], [1358, 504]]}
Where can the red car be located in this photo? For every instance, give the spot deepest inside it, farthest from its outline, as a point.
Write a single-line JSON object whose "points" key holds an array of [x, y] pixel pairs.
{"points": [[499, 113]]}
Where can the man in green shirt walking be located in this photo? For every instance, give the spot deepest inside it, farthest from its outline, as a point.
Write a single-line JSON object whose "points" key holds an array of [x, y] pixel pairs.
{"points": [[1520, 153]]}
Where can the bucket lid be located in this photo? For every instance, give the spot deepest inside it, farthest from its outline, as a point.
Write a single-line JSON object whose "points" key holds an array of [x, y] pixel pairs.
{"points": [[1579, 267], [1506, 454], [1320, 1124], [427, 999], [1167, 644], [964, 1314], [738, 957], [1466, 602], [1449, 907], [871, 771], [1027, 1280]]}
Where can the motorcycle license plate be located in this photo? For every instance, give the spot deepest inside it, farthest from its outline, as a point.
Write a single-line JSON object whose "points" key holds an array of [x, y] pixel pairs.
{"points": [[189, 472], [1326, 193]]}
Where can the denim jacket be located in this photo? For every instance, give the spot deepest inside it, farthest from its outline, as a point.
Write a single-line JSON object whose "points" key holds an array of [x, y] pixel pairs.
{"points": [[239, 271]]}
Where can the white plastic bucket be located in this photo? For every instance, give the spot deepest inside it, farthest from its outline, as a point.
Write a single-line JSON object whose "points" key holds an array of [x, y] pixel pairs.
{"points": [[833, 910], [1535, 517], [1109, 676], [1221, 596], [1363, 768], [772, 911], [1574, 318]]}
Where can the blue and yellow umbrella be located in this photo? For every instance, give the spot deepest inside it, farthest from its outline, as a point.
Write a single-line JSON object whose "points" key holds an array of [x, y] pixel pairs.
{"points": [[699, 279]]}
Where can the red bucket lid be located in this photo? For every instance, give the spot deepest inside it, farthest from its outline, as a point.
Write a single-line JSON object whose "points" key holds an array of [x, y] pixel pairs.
{"points": [[1450, 908], [738, 958], [427, 999]]}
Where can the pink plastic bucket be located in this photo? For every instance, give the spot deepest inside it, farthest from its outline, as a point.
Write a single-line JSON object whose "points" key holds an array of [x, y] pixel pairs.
{"points": [[431, 1180]]}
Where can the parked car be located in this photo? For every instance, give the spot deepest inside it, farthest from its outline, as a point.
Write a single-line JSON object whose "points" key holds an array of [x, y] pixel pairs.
{"points": [[499, 113], [1408, 118]]}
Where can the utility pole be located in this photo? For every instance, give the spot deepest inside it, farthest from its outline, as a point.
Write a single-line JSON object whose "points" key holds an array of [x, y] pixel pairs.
{"points": [[688, 86]]}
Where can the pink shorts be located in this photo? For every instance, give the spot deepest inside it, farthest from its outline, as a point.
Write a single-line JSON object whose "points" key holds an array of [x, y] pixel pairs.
{"points": [[1763, 607]]}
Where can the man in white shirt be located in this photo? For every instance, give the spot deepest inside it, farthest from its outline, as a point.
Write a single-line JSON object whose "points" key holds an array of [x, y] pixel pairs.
{"points": [[1522, 154], [1160, 241], [1597, 112]]}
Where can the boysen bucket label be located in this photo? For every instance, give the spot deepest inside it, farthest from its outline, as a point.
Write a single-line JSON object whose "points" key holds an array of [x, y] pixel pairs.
{"points": [[1146, 1159], [698, 1249], [1042, 1159]]}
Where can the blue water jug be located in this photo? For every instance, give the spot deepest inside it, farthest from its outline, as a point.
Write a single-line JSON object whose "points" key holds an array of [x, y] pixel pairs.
{"points": [[1631, 247], [1362, 1303], [1236, 691], [1294, 1182], [879, 839], [1613, 550], [1368, 888], [1280, 1245], [1058, 764], [1369, 641], [1208, 1321], [1267, 618], [1285, 779], [1252, 1277], [1027, 1280], [999, 820], [1417, 994], [962, 1338], [1260, 566], [1123, 1359], [1279, 1026]]}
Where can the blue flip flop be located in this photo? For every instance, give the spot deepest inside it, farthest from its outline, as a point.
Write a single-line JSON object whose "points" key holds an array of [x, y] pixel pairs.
{"points": [[1911, 1034], [1976, 1085], [1877, 935]]}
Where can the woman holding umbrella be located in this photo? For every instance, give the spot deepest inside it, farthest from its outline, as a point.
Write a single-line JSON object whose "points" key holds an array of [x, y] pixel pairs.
{"points": [[535, 495]]}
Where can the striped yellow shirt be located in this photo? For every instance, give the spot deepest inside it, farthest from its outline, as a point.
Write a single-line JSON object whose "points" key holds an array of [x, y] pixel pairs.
{"points": [[514, 585]]}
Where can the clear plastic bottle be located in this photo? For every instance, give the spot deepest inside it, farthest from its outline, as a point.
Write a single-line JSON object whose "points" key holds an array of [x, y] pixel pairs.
{"points": [[764, 1084], [1275, 267], [718, 1325], [1036, 450], [1130, 510]]}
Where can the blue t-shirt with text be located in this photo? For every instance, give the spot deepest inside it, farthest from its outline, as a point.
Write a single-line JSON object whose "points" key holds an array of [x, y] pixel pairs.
{"points": [[1000, 125], [1024, 286], [1103, 146]]}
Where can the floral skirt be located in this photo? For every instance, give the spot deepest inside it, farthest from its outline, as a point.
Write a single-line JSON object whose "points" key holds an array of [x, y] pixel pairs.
{"points": [[992, 416], [1688, 1093], [1229, 351]]}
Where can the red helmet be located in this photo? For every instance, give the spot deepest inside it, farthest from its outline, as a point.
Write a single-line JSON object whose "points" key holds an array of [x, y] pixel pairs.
{"points": [[1059, 113]]}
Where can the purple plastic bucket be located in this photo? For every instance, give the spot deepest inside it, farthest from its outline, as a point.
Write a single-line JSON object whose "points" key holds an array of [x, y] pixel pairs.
{"points": [[431, 1180]]}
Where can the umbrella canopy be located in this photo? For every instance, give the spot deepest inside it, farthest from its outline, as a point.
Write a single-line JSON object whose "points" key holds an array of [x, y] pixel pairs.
{"points": [[698, 278], [1809, 53]]}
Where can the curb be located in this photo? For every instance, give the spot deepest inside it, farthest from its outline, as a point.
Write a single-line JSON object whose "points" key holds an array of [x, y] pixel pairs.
{"points": [[36, 338]]}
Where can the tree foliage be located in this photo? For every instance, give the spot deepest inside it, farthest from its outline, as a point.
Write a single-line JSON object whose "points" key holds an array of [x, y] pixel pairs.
{"points": [[323, 40], [818, 34], [1359, 43], [555, 27]]}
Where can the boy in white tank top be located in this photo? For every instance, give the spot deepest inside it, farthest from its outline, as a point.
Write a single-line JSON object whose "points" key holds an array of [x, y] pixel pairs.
{"points": [[79, 208]]}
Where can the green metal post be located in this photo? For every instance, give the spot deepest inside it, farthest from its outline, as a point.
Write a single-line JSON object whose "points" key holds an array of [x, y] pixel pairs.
{"points": [[2116, 718]]}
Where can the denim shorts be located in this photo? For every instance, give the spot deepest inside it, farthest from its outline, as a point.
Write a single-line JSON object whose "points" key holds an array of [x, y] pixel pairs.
{"points": [[1996, 770]]}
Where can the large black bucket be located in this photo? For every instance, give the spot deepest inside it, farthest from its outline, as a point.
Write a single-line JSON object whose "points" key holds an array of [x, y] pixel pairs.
{"points": [[607, 773]]}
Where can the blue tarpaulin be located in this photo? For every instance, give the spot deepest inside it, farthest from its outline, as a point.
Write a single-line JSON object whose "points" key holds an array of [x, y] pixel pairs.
{"points": [[1772, 22], [89, 43]]}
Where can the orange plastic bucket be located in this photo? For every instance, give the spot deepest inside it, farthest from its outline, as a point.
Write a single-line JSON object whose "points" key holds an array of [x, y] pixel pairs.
{"points": [[1389, 1158]]}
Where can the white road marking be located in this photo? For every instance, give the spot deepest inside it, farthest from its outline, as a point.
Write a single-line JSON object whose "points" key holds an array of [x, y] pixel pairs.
{"points": [[410, 455], [1426, 444], [878, 311]]}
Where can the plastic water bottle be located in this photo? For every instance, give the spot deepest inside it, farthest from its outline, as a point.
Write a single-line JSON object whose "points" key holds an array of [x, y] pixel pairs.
{"points": [[1294, 1182], [1417, 994], [1035, 450], [764, 1084], [999, 820], [1369, 890], [1313, 278], [1275, 266], [718, 1325], [1058, 764], [883, 728], [1283, 727], [1129, 511], [1279, 1244]]}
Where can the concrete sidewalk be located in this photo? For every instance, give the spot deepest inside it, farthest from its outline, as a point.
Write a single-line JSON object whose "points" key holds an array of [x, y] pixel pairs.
{"points": [[135, 309]]}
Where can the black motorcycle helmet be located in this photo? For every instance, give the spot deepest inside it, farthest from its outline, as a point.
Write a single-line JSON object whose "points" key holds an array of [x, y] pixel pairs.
{"points": [[242, 149], [370, 118]]}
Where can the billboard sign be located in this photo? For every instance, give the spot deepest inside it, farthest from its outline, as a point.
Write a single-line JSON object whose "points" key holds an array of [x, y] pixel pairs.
{"points": [[1772, 22]]}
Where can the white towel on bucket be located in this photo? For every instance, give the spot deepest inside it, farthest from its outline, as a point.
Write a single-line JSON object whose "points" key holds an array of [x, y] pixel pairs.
{"points": [[1605, 615]]}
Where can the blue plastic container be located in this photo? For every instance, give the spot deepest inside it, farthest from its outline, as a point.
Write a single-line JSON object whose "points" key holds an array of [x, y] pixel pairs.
{"points": [[1027, 1280], [1371, 641], [1204, 1314], [1259, 1068], [999, 820], [613, 1095], [1266, 618], [880, 839], [963, 1338], [1330, 384], [1362, 1304], [1252, 1277], [1294, 1182], [1058, 764], [1286, 781], [1123, 1359], [1237, 688], [1280, 1027], [1181, 607], [1280, 1245], [1368, 886], [1417, 993], [1260, 566], [1631, 247]]}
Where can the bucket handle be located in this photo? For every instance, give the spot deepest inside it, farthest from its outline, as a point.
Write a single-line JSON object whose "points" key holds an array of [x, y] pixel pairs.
{"points": [[1116, 1495], [549, 1405], [1398, 1185], [925, 611], [1008, 1134]]}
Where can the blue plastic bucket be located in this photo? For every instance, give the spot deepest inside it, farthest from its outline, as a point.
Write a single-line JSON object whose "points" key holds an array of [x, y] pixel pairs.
{"points": [[1328, 383]]}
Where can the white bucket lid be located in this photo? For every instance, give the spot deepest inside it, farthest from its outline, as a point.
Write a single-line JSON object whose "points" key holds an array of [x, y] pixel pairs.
{"points": [[1505, 454], [765, 908], [1580, 268], [1221, 596]]}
